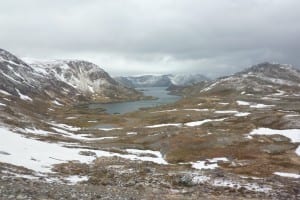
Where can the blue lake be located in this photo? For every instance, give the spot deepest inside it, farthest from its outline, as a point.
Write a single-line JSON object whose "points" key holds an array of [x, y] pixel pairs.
{"points": [[124, 107]]}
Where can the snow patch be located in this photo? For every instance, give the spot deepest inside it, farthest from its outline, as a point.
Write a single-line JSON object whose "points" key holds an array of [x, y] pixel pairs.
{"points": [[65, 126], [57, 103], [226, 111], [109, 129], [91, 89], [35, 155], [222, 103], [71, 118], [5, 93], [76, 179], [292, 134], [208, 164], [270, 98], [279, 93], [157, 156], [288, 175], [261, 106], [249, 137], [22, 96], [199, 123], [35, 131], [80, 136], [164, 125], [295, 115], [40, 156], [102, 138], [132, 133], [196, 109], [243, 103], [242, 114], [210, 87], [253, 105]]}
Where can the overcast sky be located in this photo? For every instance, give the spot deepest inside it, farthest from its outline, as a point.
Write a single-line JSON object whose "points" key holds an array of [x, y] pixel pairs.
{"points": [[212, 37]]}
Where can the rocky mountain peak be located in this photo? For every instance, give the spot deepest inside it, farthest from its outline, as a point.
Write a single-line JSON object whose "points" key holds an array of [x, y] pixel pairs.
{"points": [[63, 79], [82, 75], [5, 55], [264, 78], [8, 59], [276, 73], [272, 70], [15, 75]]}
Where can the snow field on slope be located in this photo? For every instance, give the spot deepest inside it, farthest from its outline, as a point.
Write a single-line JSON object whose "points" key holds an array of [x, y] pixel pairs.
{"points": [[40, 156]]}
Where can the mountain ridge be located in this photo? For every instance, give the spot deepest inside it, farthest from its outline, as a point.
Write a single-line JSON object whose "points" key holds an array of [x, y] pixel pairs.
{"points": [[165, 80], [260, 79], [73, 78]]}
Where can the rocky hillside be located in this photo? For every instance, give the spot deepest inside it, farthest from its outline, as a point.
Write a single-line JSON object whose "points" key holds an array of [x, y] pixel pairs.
{"points": [[161, 80], [87, 78], [64, 81], [261, 79]]}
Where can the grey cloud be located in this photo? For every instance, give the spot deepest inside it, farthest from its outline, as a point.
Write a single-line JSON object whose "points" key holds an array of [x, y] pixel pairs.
{"points": [[135, 36]]}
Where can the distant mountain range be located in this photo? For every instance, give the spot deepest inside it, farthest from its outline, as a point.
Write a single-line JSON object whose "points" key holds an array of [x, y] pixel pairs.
{"points": [[161, 80]]}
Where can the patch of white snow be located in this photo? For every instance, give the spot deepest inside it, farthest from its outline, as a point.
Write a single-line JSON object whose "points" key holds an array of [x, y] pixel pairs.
{"points": [[199, 123], [242, 114], [164, 125], [288, 175], [22, 96], [243, 103], [292, 134], [5, 93]]}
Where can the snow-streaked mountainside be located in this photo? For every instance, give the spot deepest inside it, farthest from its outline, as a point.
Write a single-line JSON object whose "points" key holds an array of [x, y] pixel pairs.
{"points": [[187, 79], [85, 77], [71, 80], [264, 78], [161, 80], [16, 74]]}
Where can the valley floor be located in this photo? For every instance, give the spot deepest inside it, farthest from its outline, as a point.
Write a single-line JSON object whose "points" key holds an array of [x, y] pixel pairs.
{"points": [[212, 147]]}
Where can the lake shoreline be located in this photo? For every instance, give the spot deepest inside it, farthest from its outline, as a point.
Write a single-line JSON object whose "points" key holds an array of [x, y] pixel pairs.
{"points": [[159, 96]]}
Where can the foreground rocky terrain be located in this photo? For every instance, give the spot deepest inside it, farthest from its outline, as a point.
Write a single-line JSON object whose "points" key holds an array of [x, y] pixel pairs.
{"points": [[233, 138]]}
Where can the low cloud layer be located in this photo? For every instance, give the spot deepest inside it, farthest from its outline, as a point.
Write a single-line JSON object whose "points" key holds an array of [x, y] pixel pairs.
{"points": [[212, 37]]}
